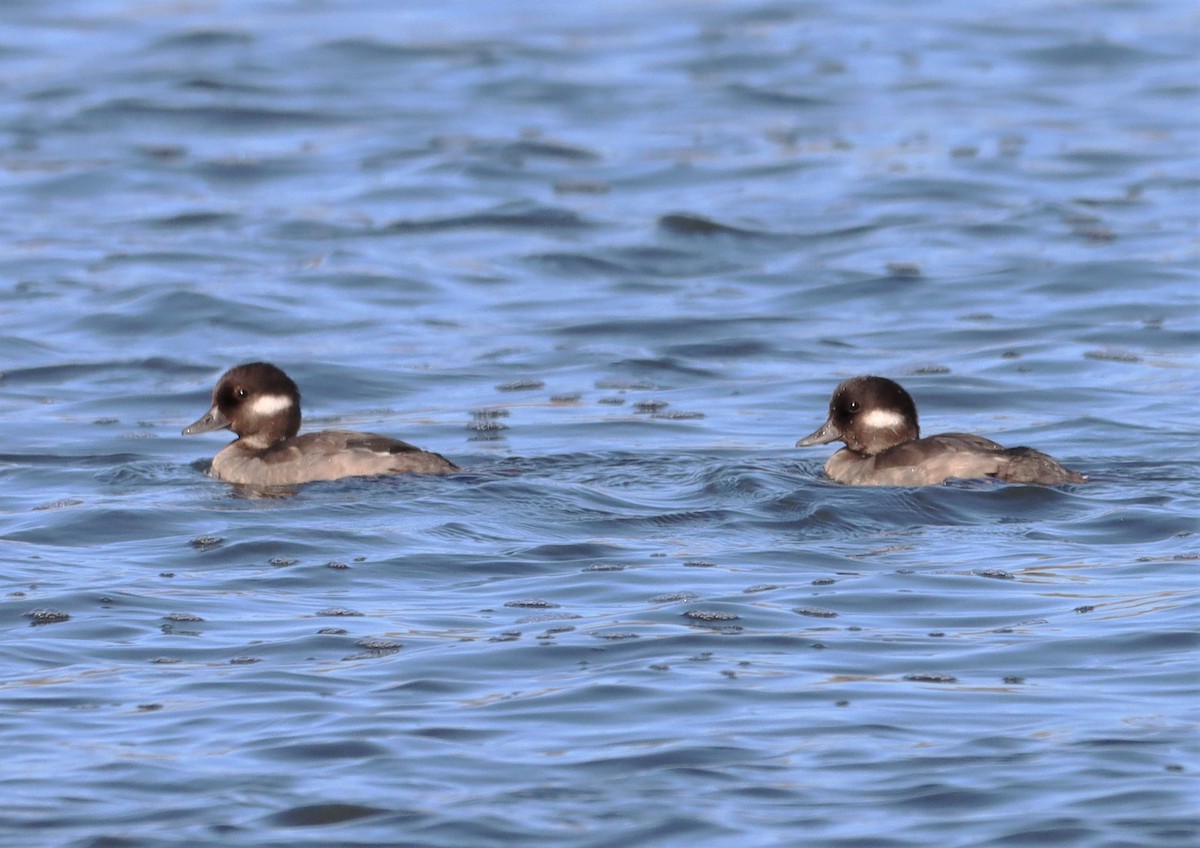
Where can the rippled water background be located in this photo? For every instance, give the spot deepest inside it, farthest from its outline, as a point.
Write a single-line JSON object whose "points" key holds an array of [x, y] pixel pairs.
{"points": [[611, 258]]}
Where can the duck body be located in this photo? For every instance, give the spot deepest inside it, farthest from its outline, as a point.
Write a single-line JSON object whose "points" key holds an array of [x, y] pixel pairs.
{"points": [[261, 404], [877, 419]]}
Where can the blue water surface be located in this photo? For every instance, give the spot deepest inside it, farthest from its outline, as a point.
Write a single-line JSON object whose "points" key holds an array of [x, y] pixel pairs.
{"points": [[612, 259]]}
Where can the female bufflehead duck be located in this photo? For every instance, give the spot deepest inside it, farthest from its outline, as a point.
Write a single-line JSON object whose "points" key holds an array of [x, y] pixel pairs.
{"points": [[262, 405], [877, 420]]}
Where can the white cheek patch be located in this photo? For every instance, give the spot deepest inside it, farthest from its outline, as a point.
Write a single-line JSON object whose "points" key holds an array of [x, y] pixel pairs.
{"points": [[267, 405], [882, 419]]}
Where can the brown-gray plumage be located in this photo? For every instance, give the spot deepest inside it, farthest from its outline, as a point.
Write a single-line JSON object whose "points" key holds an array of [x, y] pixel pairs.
{"points": [[877, 420], [261, 404]]}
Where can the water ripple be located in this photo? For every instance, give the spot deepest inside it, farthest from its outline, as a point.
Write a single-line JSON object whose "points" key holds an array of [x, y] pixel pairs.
{"points": [[611, 260]]}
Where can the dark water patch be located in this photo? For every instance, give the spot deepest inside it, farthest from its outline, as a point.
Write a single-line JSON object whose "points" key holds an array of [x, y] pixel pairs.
{"points": [[909, 270], [203, 40], [591, 99], [688, 224], [166, 260], [943, 190], [777, 97], [726, 62], [323, 815], [383, 287], [659, 368], [571, 553], [162, 153], [555, 151], [342, 749], [735, 348], [378, 52], [243, 171], [903, 292], [310, 230], [133, 112], [681, 329], [215, 84], [1100, 54], [189, 220], [576, 186], [518, 215], [575, 265], [1103, 160], [658, 262]]}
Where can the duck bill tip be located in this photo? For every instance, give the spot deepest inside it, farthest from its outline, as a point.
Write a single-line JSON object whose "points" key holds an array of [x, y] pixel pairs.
{"points": [[825, 434], [211, 420]]}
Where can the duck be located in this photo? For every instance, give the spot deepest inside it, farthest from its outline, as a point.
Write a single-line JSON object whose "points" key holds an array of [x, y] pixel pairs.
{"points": [[261, 405], [877, 420]]}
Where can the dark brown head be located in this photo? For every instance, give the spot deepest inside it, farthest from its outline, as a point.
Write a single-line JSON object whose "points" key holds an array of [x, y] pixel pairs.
{"points": [[869, 414], [257, 401]]}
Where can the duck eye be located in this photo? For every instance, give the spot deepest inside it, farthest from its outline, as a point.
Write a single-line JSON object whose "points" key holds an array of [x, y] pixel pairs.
{"points": [[240, 392], [852, 406]]}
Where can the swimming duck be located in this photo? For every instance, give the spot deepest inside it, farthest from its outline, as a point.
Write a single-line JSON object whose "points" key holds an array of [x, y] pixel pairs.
{"points": [[877, 420], [261, 404]]}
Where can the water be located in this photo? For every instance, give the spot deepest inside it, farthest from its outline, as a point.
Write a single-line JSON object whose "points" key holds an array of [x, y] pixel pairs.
{"points": [[612, 259]]}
